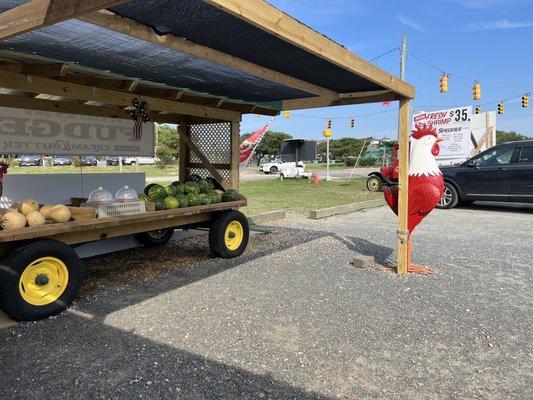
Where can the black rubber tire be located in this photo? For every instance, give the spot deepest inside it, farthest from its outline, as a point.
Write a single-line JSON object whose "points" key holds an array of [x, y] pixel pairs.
{"points": [[452, 197], [217, 233], [12, 267], [155, 238], [377, 187], [273, 170]]}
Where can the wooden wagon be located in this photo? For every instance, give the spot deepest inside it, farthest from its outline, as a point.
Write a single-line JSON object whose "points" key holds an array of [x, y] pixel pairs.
{"points": [[200, 64]]}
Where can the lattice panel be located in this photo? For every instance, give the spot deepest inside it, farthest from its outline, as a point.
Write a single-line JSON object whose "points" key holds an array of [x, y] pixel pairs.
{"points": [[226, 173], [213, 140]]}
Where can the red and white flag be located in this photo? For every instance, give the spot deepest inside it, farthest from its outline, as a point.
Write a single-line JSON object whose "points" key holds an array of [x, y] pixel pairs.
{"points": [[248, 145]]}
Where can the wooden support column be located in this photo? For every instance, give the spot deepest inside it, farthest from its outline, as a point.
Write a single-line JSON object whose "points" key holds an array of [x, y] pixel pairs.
{"points": [[235, 156], [184, 151], [403, 187]]}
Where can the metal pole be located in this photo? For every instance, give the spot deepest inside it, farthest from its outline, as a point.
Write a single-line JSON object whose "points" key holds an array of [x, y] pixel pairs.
{"points": [[328, 178], [403, 57]]}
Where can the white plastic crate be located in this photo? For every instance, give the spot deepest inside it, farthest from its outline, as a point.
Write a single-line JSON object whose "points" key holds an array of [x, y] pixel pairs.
{"points": [[115, 209]]}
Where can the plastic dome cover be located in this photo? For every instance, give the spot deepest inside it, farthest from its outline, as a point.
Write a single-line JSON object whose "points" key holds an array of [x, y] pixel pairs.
{"points": [[126, 194], [100, 196]]}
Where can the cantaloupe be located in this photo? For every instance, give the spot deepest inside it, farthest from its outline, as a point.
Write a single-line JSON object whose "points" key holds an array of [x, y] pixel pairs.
{"points": [[27, 206], [35, 218], [59, 213], [45, 210], [12, 220]]}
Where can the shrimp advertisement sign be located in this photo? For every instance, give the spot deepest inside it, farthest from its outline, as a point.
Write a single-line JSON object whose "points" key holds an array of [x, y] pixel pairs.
{"points": [[50, 133], [454, 127]]}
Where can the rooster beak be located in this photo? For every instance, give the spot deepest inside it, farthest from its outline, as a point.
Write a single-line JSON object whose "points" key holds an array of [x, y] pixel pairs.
{"points": [[439, 139]]}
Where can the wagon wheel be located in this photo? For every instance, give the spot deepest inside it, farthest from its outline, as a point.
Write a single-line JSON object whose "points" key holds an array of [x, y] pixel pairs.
{"points": [[374, 184], [39, 279], [155, 238], [229, 234]]}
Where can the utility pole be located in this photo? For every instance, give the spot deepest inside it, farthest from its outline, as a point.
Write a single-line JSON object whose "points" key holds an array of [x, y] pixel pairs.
{"points": [[403, 57]]}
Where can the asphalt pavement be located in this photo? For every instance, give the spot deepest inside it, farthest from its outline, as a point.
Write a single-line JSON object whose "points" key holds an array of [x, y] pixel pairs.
{"points": [[293, 319]]}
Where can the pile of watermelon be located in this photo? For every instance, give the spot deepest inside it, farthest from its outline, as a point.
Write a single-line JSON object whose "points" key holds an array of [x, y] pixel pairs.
{"points": [[195, 192]]}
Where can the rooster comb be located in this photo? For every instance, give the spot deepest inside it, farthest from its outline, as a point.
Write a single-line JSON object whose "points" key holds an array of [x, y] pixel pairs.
{"points": [[423, 130]]}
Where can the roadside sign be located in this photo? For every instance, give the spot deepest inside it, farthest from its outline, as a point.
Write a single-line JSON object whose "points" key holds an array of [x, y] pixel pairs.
{"points": [[463, 134]]}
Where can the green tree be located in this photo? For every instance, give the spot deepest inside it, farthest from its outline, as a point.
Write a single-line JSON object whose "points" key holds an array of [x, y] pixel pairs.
{"points": [[511, 136], [168, 136], [341, 149]]}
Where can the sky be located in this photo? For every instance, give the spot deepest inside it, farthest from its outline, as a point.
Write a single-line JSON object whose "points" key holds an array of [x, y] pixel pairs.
{"points": [[490, 41]]}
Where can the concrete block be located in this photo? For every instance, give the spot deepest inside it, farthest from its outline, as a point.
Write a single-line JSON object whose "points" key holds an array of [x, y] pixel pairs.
{"points": [[345, 209], [266, 217], [363, 262]]}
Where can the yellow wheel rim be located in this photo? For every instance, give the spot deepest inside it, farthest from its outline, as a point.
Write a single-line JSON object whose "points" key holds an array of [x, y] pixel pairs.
{"points": [[234, 235], [43, 281], [373, 183]]}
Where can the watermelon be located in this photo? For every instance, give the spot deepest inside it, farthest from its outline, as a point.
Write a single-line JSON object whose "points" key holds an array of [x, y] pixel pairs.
{"points": [[191, 188], [214, 197], [143, 197], [176, 183], [180, 188], [148, 187], [160, 205], [157, 192], [193, 199], [184, 202], [171, 190], [204, 186], [212, 183], [171, 202], [230, 195], [204, 199]]}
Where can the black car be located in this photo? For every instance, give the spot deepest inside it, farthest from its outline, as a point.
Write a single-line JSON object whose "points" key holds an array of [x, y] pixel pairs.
{"points": [[88, 161], [30, 161], [501, 173], [61, 160], [111, 161]]}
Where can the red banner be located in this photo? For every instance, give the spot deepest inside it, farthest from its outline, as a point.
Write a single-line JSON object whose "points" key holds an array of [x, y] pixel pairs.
{"points": [[248, 145]]}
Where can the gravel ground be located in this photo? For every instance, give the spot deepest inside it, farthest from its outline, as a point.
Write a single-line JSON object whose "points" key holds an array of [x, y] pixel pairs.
{"points": [[292, 319]]}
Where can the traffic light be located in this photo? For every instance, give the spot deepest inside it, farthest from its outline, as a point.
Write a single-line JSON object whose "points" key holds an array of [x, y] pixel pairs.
{"points": [[525, 101], [444, 83], [352, 122], [476, 91], [501, 107], [287, 114], [328, 124], [478, 110], [327, 133]]}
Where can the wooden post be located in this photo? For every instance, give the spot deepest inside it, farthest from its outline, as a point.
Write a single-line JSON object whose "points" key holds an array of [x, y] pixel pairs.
{"points": [[184, 151], [403, 186], [235, 156]]}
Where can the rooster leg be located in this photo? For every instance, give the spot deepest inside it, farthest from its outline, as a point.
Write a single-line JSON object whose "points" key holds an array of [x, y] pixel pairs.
{"points": [[415, 269]]}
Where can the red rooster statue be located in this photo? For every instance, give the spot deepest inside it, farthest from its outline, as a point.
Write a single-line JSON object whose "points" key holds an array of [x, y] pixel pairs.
{"points": [[426, 184]]}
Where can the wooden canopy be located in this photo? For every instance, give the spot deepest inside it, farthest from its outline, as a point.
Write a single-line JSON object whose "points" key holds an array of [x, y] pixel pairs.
{"points": [[196, 59]]}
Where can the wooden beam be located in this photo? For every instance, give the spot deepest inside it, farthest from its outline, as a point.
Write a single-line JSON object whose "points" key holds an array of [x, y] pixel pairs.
{"points": [[41, 69], [203, 159], [270, 19], [129, 27], [123, 99], [37, 14], [68, 107], [184, 151], [403, 187], [348, 99]]}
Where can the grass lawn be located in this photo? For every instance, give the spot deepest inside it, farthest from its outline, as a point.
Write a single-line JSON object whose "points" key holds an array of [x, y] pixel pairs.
{"points": [[150, 170], [302, 196]]}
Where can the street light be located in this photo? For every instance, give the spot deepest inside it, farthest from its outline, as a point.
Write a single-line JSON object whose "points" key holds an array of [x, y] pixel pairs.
{"points": [[327, 134]]}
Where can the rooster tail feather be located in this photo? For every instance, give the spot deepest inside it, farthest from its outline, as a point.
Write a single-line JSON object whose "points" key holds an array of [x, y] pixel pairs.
{"points": [[391, 197]]}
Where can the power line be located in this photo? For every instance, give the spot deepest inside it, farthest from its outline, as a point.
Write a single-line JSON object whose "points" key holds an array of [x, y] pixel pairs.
{"points": [[441, 70], [346, 117], [384, 54], [418, 106]]}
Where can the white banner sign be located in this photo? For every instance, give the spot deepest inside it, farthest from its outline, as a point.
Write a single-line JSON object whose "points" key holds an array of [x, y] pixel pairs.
{"points": [[49, 133], [454, 127]]}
